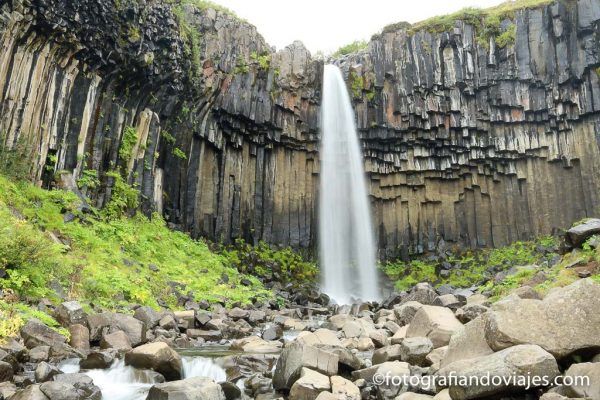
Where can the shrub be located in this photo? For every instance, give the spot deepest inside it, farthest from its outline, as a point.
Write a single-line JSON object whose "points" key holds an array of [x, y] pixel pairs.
{"points": [[350, 48], [128, 142]]}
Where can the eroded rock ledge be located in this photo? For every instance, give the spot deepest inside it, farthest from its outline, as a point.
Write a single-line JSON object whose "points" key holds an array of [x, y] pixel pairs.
{"points": [[479, 146]]}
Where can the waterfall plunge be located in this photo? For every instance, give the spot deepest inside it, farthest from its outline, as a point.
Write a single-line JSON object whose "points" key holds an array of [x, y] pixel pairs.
{"points": [[347, 243]]}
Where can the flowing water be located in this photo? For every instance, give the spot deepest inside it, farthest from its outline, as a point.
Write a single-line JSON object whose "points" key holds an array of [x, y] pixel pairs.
{"points": [[346, 238], [121, 382]]}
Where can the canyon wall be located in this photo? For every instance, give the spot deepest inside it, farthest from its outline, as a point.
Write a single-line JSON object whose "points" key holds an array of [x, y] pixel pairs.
{"points": [[464, 141]]}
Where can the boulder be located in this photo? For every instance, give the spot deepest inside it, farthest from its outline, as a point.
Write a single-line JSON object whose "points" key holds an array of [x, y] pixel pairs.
{"points": [[45, 372], [31, 392], [71, 387], [256, 345], [185, 319], [117, 340], [390, 388], [578, 234], [157, 356], [35, 333], [405, 312], [360, 344], [168, 322], [447, 300], [295, 356], [187, 389], [588, 387], [148, 316], [436, 323], [565, 322], [209, 336], [309, 384], [421, 293], [344, 389], [100, 324], [469, 312], [319, 337], [98, 360], [238, 313], [467, 342], [388, 353], [6, 371], [504, 366], [7, 389], [80, 338], [434, 359], [399, 335], [70, 313], [273, 332], [414, 350], [442, 395], [39, 353], [339, 320]]}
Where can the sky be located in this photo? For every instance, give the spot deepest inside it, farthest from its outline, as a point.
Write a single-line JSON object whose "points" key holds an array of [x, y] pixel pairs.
{"points": [[325, 25]]}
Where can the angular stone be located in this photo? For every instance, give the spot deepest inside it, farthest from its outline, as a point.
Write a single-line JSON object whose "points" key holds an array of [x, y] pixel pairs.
{"points": [[467, 342], [159, 357], [388, 353], [39, 353], [209, 336], [187, 389], [256, 345], [100, 324], [45, 372], [309, 384], [415, 350], [148, 316], [344, 389], [590, 388], [406, 312], [319, 337], [80, 338], [117, 340], [566, 321], [436, 323], [581, 232], [295, 356], [521, 360], [71, 312], [35, 333], [469, 312], [6, 371], [98, 360]]}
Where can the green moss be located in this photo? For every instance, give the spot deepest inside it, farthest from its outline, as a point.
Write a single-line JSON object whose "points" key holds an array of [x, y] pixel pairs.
{"points": [[598, 72], [167, 137], [89, 179], [507, 38], [263, 60], [124, 198], [133, 34], [350, 48], [356, 84], [402, 25]]}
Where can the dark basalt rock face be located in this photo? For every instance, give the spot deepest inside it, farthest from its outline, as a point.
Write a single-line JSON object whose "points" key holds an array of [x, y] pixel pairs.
{"points": [[479, 146]]}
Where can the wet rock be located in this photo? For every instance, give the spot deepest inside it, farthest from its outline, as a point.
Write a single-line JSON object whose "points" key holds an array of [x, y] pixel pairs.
{"points": [[436, 323], [31, 392], [70, 313], [521, 360], [187, 389], [98, 360], [309, 384], [185, 319], [549, 323], [295, 356], [156, 356], [273, 332]]}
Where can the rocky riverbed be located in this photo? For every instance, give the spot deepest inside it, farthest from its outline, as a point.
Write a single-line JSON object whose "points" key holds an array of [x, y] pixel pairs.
{"points": [[407, 347]]}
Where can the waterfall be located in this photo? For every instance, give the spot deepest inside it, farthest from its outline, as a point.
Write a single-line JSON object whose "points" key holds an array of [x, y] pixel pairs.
{"points": [[346, 238]]}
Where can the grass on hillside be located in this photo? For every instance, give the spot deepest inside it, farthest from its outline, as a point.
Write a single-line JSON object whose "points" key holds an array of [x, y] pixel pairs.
{"points": [[109, 262]]}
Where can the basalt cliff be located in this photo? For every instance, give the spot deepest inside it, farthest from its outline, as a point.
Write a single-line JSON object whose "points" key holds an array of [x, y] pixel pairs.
{"points": [[465, 141]]}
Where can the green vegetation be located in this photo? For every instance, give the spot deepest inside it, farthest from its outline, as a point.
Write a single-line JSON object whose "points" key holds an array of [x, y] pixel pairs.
{"points": [[130, 137], [285, 266], [14, 160], [350, 48], [169, 139], [356, 84], [598, 72], [103, 258], [263, 60], [178, 153], [470, 268]]}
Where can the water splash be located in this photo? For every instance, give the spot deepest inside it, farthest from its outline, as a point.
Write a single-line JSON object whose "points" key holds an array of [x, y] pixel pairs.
{"points": [[347, 243]]}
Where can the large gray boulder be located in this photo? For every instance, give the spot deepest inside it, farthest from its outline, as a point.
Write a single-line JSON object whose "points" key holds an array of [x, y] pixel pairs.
{"points": [[435, 323], [415, 350], [504, 366], [296, 356], [467, 342], [581, 232], [187, 389], [103, 323], [31, 392], [64, 391], [159, 357], [565, 322], [35, 333], [6, 371], [148, 316], [589, 387]]}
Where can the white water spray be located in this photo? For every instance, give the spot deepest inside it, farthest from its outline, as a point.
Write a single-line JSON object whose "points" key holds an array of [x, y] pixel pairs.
{"points": [[347, 243]]}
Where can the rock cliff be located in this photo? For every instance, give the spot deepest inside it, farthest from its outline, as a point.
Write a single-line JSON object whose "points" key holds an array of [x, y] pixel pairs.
{"points": [[471, 141]]}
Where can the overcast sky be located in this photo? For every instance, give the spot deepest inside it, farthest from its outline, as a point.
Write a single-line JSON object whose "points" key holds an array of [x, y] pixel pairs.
{"points": [[326, 25]]}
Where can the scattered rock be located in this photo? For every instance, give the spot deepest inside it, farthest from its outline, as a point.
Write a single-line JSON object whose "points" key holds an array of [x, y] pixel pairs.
{"points": [[309, 384], [157, 356], [436, 323], [295, 356], [187, 389], [70, 313], [117, 340]]}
